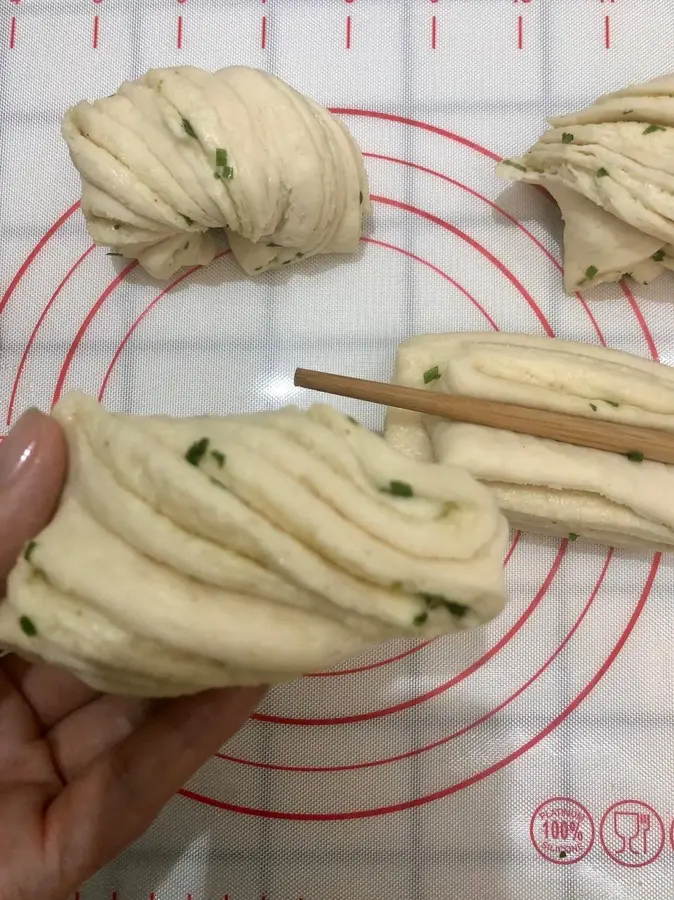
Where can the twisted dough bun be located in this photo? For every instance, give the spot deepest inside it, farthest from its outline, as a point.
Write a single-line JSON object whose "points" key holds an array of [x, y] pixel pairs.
{"points": [[180, 152], [545, 486], [196, 553], [610, 168]]}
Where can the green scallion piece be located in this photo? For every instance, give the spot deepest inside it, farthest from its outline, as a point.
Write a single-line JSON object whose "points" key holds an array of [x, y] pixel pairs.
{"points": [[567, 138], [28, 552], [187, 128], [431, 375], [27, 626], [197, 451], [635, 456], [398, 489], [433, 601], [658, 256], [514, 165]]}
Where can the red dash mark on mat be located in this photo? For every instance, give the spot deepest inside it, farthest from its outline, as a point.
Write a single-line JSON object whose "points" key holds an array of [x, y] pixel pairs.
{"points": [[96, 31], [12, 33], [607, 32], [520, 33], [180, 33], [348, 32], [263, 37], [434, 33]]}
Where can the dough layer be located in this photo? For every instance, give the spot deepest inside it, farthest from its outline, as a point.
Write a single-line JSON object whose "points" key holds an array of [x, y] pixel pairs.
{"points": [[545, 486], [203, 552], [610, 168]]}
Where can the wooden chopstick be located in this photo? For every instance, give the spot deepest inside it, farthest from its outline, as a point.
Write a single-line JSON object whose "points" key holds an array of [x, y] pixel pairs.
{"points": [[634, 442]]}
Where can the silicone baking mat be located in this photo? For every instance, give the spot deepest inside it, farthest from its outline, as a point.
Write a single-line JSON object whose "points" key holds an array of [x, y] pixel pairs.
{"points": [[529, 759]]}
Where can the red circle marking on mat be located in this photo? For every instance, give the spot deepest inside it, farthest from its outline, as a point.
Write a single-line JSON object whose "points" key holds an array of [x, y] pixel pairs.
{"points": [[443, 177], [414, 701], [471, 669], [447, 738], [63, 374], [476, 245], [499, 209], [425, 126], [136, 323], [473, 779], [37, 249], [70, 355], [440, 689], [653, 350], [386, 245], [38, 325]]}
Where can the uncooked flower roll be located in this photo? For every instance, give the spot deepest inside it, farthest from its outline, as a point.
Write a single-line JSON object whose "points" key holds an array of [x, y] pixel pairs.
{"points": [[610, 167], [545, 486], [196, 553], [180, 153]]}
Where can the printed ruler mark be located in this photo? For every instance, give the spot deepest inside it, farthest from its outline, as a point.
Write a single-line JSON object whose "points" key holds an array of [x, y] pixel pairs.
{"points": [[96, 32], [434, 32], [179, 34], [607, 32], [263, 32], [348, 31], [520, 33], [12, 33]]}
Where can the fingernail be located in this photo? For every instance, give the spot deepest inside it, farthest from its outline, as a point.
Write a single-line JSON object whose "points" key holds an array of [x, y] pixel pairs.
{"points": [[17, 448]]}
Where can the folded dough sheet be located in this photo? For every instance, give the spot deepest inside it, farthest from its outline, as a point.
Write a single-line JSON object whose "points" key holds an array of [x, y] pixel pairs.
{"points": [[544, 486]]}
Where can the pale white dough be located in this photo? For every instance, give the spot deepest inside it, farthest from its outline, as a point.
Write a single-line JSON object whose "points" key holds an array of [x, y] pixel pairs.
{"points": [[610, 167], [197, 553], [545, 486], [180, 152]]}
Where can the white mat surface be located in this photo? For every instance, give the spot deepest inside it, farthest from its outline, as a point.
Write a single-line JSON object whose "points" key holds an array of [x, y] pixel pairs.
{"points": [[421, 772]]}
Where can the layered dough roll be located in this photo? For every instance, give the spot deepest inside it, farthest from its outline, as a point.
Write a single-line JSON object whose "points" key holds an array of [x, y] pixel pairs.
{"points": [[610, 167], [544, 486], [179, 153], [197, 553]]}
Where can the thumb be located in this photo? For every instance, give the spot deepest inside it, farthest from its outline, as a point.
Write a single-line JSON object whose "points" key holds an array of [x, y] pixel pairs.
{"points": [[33, 462]]}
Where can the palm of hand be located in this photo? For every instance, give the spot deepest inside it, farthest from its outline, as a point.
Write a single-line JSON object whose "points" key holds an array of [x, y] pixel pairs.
{"points": [[79, 771]]}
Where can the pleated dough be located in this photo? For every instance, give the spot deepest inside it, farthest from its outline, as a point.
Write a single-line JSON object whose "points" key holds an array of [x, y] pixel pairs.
{"points": [[545, 486], [195, 553], [610, 167], [180, 153]]}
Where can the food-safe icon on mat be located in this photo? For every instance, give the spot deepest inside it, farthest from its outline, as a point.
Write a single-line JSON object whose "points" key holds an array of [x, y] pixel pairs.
{"points": [[562, 830], [632, 833]]}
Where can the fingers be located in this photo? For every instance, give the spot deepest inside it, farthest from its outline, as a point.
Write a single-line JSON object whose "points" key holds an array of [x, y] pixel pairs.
{"points": [[81, 738], [52, 693], [119, 795], [33, 461]]}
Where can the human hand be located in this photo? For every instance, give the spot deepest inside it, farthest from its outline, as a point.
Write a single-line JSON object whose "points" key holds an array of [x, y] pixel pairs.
{"points": [[78, 770]]}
